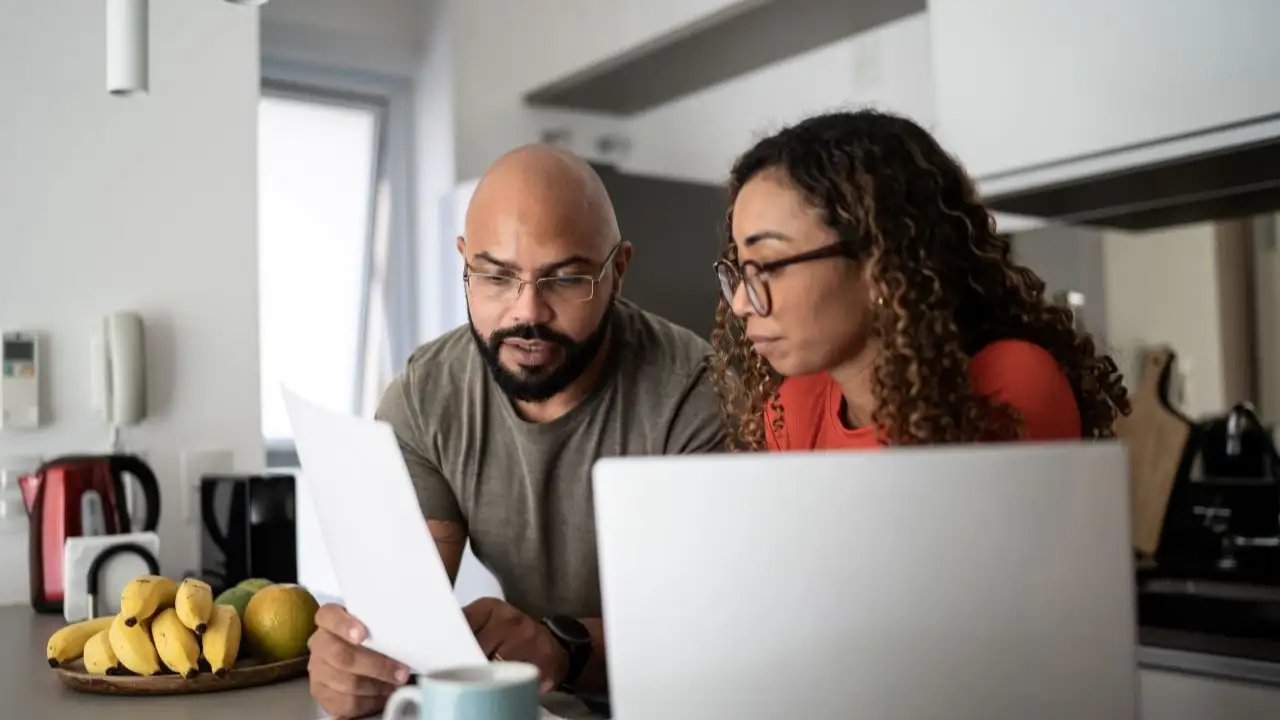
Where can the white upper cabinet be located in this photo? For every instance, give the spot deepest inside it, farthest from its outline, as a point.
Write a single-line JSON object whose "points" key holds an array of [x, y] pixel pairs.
{"points": [[1027, 83]]}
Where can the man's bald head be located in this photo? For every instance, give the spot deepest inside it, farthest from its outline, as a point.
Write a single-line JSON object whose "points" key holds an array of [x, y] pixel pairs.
{"points": [[545, 261], [542, 194]]}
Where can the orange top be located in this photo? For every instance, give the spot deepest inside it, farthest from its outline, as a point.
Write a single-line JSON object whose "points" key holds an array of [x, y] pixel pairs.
{"points": [[1015, 372]]}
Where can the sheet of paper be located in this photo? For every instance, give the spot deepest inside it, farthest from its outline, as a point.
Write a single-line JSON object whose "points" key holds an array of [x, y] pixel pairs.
{"points": [[385, 562]]}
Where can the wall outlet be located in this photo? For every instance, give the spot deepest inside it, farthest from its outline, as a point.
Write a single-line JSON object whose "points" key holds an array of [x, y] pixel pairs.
{"points": [[13, 512], [13, 467], [195, 464]]}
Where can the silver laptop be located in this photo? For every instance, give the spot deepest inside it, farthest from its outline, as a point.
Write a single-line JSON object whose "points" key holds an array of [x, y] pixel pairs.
{"points": [[956, 583]]}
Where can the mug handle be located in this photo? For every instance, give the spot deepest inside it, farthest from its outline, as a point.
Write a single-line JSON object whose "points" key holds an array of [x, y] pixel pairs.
{"points": [[406, 695]]}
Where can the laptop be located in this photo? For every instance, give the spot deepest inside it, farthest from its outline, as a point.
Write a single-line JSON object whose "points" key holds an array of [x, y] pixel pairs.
{"points": [[989, 582]]}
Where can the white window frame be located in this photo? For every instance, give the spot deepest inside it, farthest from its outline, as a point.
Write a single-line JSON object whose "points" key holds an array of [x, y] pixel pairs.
{"points": [[392, 96]]}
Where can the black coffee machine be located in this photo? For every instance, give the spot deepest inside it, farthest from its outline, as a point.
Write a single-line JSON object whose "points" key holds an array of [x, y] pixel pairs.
{"points": [[248, 529], [1223, 517], [1216, 571]]}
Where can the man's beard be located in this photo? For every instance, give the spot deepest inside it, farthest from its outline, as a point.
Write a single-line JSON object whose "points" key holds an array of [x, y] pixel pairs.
{"points": [[541, 384]]}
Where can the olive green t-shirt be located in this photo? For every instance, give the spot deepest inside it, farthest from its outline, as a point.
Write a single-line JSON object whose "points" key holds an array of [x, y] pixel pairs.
{"points": [[522, 489]]}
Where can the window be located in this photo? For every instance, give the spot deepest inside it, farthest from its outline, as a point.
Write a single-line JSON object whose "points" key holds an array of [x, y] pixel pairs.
{"points": [[334, 317]]}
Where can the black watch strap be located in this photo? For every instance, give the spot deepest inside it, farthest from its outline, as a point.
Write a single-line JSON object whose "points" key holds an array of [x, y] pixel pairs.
{"points": [[574, 637]]}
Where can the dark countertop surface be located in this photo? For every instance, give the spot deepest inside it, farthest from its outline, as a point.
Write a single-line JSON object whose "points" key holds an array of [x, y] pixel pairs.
{"points": [[31, 691], [1228, 658]]}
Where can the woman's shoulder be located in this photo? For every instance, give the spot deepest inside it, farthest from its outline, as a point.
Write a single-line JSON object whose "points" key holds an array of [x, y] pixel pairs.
{"points": [[1014, 354], [1028, 378]]}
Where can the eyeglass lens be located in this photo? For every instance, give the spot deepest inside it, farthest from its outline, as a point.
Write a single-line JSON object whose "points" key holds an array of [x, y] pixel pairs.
{"points": [[573, 289], [757, 293]]}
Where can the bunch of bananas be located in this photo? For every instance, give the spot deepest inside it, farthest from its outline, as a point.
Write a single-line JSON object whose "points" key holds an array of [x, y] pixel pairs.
{"points": [[162, 626]]}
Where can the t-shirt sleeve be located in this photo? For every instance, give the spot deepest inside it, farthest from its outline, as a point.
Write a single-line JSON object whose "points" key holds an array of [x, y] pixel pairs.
{"points": [[436, 497], [1028, 378], [697, 425]]}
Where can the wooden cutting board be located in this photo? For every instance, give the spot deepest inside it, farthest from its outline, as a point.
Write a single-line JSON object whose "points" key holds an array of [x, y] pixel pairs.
{"points": [[1156, 436]]}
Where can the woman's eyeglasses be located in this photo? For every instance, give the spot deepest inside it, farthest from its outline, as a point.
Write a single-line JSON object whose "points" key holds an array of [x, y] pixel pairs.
{"points": [[756, 274]]}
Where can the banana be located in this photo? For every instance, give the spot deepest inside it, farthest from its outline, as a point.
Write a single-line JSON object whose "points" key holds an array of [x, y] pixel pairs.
{"points": [[99, 658], [146, 595], [68, 643], [222, 639], [175, 643], [133, 646], [194, 603]]}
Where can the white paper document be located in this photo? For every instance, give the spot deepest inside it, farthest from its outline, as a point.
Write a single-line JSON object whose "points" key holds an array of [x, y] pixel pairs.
{"points": [[385, 562]]}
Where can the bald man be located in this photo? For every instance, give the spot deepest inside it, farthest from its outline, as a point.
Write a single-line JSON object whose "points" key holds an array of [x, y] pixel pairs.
{"points": [[500, 422]]}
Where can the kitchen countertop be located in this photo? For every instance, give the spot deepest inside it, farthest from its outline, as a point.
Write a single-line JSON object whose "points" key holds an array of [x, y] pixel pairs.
{"points": [[29, 690], [1239, 659]]}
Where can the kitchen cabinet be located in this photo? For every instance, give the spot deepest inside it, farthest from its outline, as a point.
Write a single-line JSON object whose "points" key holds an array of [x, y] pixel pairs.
{"points": [[1023, 85], [1177, 696]]}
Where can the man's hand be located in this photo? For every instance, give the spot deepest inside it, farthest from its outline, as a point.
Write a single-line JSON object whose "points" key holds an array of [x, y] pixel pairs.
{"points": [[349, 681], [505, 632]]}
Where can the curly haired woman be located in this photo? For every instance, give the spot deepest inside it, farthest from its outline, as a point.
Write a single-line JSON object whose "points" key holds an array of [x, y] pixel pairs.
{"points": [[869, 301]]}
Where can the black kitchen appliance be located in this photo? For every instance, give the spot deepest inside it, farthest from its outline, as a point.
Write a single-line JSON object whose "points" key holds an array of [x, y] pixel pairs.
{"points": [[248, 529], [1223, 519], [1216, 572]]}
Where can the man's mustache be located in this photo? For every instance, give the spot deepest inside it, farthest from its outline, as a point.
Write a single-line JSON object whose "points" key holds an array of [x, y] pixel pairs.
{"points": [[529, 332]]}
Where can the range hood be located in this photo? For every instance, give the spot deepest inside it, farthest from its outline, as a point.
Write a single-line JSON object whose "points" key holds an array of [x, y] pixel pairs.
{"points": [[1232, 172]]}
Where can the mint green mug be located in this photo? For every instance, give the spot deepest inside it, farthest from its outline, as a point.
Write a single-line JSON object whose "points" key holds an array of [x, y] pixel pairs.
{"points": [[497, 691]]}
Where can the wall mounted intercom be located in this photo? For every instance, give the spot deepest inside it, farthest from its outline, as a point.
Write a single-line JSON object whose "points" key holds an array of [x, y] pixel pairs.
{"points": [[19, 381], [119, 370]]}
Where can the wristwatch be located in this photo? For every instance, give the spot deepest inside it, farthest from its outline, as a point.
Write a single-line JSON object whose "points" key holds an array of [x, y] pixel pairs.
{"points": [[574, 637]]}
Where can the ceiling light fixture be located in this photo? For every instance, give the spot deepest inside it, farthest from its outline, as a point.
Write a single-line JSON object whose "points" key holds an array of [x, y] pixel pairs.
{"points": [[128, 45]]}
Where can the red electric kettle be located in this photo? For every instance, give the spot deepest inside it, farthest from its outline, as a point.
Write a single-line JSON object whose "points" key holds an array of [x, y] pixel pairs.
{"points": [[74, 496]]}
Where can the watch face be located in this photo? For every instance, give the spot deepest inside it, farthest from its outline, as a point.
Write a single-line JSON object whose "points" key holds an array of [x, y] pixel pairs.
{"points": [[569, 629]]}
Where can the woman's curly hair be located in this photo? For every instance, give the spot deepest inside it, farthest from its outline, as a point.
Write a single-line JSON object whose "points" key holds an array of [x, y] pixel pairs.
{"points": [[948, 282]]}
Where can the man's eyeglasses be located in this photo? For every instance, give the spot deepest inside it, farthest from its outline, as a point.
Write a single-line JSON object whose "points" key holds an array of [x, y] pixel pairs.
{"points": [[756, 274], [553, 289]]}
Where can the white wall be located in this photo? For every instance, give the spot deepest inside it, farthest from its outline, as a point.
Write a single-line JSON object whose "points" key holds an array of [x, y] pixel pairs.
{"points": [[698, 137], [145, 204], [376, 35], [1266, 283], [1165, 287]]}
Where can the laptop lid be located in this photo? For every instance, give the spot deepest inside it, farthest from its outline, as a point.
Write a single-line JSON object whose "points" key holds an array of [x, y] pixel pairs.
{"points": [[962, 582]]}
